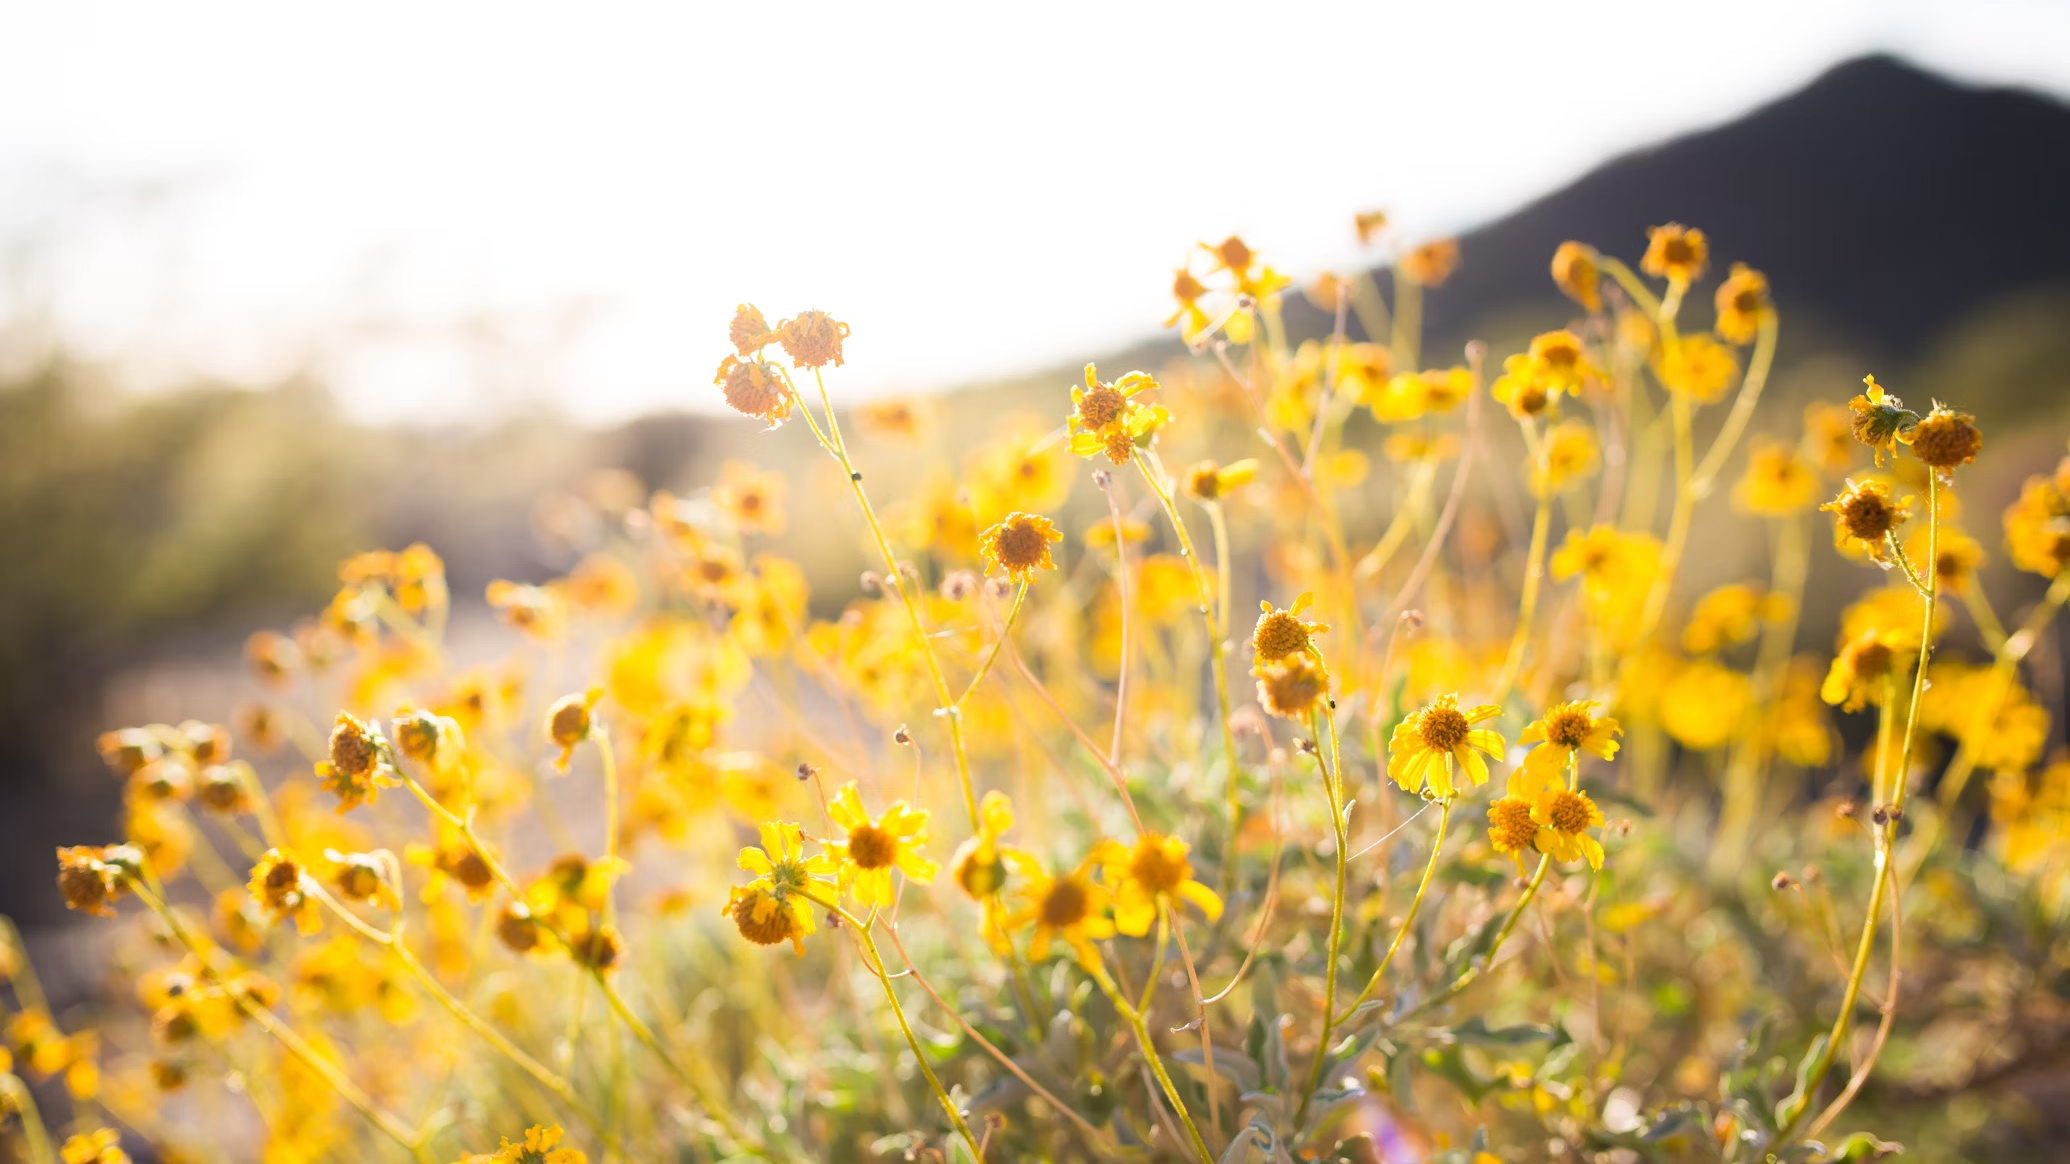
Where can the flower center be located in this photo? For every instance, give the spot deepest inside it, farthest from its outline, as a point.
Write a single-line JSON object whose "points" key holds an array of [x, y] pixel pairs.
{"points": [[1569, 811], [1158, 869], [1021, 545], [871, 847], [1279, 634], [1868, 515], [1101, 406], [1064, 904], [1444, 728], [761, 918], [1568, 727], [1510, 824]]}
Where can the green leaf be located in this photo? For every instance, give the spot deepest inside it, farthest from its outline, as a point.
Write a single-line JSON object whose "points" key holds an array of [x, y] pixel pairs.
{"points": [[1800, 1098], [1400, 1081]]}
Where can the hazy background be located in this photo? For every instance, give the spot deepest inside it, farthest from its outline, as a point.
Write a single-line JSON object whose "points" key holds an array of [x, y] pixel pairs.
{"points": [[278, 284]]}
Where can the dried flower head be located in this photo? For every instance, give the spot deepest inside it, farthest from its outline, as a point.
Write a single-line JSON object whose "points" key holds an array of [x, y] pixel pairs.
{"points": [[812, 339], [1944, 439], [1864, 514], [1291, 688], [755, 387], [749, 332]]}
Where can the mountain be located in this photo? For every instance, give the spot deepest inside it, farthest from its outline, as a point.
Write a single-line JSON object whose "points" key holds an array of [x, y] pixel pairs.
{"points": [[1883, 201]]}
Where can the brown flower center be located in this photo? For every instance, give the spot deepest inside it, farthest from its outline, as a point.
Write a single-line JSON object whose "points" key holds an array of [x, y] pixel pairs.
{"points": [[1101, 406], [774, 924], [1443, 727], [1510, 825], [1022, 545], [352, 751], [1279, 634], [871, 847], [1867, 515], [1064, 904], [1567, 726], [1569, 812], [1157, 868]]}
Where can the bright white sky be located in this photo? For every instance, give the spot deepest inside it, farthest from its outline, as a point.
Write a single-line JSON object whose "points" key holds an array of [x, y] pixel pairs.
{"points": [[450, 207]]}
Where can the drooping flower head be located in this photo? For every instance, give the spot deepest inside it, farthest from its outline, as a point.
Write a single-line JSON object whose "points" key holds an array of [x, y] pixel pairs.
{"points": [[276, 884], [1859, 668], [755, 387], [357, 768], [873, 848], [775, 906], [1292, 688], [1428, 745], [1880, 420]]}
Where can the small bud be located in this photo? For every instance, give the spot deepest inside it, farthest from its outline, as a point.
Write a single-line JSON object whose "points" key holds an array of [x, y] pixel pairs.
{"points": [[998, 587], [959, 585], [833, 920], [1813, 874], [1305, 745], [1102, 478], [1782, 881], [807, 771], [909, 570], [871, 583], [902, 736], [1881, 815], [1845, 810]]}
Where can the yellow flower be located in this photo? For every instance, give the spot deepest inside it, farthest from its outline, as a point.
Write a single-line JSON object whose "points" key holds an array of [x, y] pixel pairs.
{"points": [[1023, 468], [1676, 253], [873, 848], [103, 1146], [980, 864], [1562, 362], [1070, 906], [1251, 277], [1565, 729], [1019, 546], [276, 884], [1701, 707], [2037, 528], [357, 768], [1698, 367], [750, 498], [539, 611], [1731, 614], [1208, 481], [1412, 395], [749, 332], [1568, 454], [1369, 224], [538, 1148], [1432, 263], [776, 906], [896, 418], [1151, 873], [1564, 817], [1281, 633], [1742, 304], [1192, 319], [1427, 745], [1798, 729], [90, 879], [1510, 827], [1574, 271], [1106, 419], [1613, 565], [1778, 481], [1863, 514], [1955, 560], [1857, 670]]}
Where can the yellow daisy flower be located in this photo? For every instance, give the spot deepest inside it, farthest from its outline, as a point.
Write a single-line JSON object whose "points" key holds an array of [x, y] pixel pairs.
{"points": [[874, 848], [276, 884], [1427, 744], [1019, 546], [1152, 872], [1281, 633], [1070, 906], [539, 1147], [1567, 728], [1564, 817], [981, 864]]}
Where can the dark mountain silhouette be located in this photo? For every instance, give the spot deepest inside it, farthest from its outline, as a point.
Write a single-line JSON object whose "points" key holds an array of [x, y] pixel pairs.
{"points": [[1883, 201]]}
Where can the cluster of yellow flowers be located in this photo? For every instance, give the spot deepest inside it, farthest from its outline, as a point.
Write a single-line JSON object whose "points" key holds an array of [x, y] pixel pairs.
{"points": [[380, 974]]}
